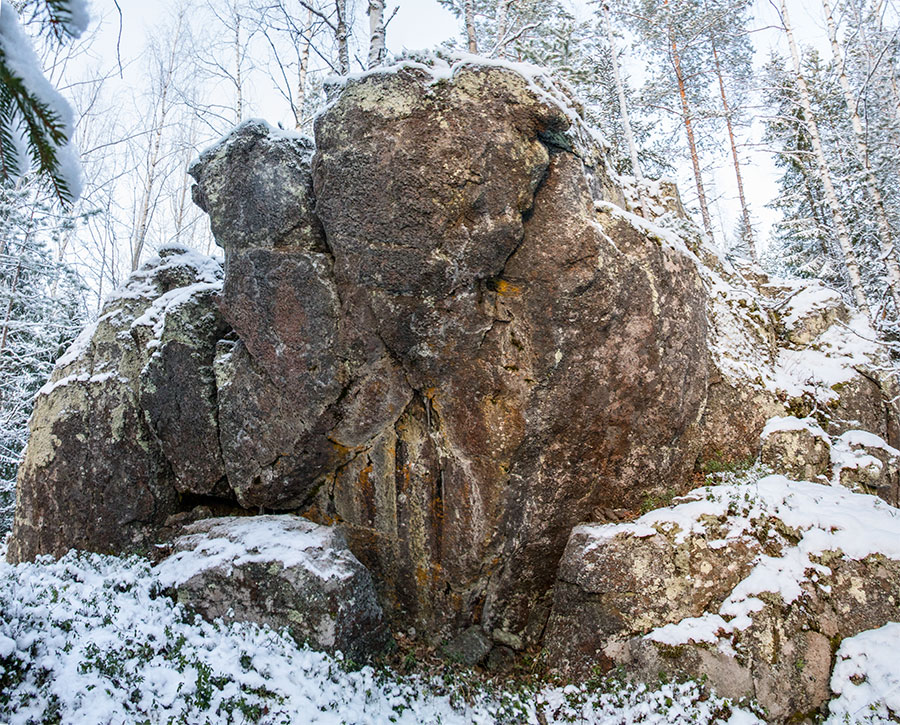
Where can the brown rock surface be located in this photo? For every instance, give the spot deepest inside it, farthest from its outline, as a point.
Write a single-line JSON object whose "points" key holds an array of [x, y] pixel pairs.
{"points": [[542, 340]]}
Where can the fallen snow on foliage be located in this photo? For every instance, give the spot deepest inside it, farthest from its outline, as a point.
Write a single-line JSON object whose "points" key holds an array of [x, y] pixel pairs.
{"points": [[235, 541], [90, 639], [826, 518], [866, 678]]}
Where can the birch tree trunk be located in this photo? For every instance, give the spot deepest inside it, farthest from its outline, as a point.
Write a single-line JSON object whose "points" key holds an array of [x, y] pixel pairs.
{"points": [[302, 70], [843, 235], [502, 23], [341, 35], [623, 103], [238, 82], [745, 211], [469, 11], [152, 170], [376, 33], [886, 245]]}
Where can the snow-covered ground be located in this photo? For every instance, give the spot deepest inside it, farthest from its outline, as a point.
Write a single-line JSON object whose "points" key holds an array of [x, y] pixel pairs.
{"points": [[90, 639]]}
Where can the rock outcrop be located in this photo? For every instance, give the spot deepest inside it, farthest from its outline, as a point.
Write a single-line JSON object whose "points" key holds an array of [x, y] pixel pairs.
{"points": [[788, 348], [126, 427], [443, 336], [752, 585]]}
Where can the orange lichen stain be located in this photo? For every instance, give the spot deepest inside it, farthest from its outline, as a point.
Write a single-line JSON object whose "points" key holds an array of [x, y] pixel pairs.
{"points": [[341, 450], [506, 288], [363, 478], [315, 514], [422, 577]]}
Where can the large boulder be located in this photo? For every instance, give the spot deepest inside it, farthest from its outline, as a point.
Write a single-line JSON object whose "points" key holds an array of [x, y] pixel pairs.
{"points": [[752, 584], [473, 327], [126, 426], [541, 338], [281, 571]]}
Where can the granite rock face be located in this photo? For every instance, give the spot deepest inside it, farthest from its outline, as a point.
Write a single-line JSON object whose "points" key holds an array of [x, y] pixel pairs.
{"points": [[127, 423], [786, 347], [539, 335]]}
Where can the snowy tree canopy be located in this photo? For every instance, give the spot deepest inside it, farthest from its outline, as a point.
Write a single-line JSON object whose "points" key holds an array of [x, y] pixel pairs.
{"points": [[36, 123]]}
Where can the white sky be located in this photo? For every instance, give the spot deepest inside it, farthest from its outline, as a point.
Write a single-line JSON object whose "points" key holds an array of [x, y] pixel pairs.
{"points": [[423, 24]]}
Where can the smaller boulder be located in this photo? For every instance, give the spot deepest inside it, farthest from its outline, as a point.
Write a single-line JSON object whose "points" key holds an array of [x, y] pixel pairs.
{"points": [[863, 462], [808, 309], [282, 571], [796, 447], [470, 647]]}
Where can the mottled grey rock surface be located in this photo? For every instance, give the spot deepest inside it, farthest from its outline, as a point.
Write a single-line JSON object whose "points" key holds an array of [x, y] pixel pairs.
{"points": [[281, 571]]}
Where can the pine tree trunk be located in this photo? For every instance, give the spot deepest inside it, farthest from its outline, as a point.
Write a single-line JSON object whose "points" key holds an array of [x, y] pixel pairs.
{"points": [[745, 211], [843, 235], [886, 244], [469, 11], [689, 130], [376, 33]]}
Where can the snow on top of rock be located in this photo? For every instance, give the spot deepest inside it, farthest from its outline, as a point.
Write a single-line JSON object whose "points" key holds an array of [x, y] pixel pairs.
{"points": [[866, 678], [827, 353], [854, 438], [668, 237], [789, 423], [142, 282], [811, 296], [850, 451], [234, 541], [79, 346], [827, 519], [443, 66], [259, 126], [832, 359]]}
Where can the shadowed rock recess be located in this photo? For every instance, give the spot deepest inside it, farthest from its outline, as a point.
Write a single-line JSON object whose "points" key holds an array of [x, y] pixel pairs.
{"points": [[440, 328]]}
